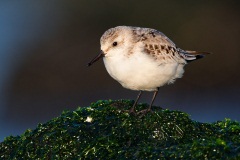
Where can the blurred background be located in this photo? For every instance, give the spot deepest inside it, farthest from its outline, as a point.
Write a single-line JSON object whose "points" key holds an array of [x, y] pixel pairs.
{"points": [[45, 46]]}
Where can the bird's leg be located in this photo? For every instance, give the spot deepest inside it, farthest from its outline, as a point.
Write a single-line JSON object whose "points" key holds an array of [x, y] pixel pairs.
{"points": [[132, 110], [154, 96], [149, 108]]}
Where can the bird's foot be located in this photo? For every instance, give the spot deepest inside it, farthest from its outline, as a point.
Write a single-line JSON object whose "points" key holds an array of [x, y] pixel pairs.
{"points": [[144, 112], [132, 111]]}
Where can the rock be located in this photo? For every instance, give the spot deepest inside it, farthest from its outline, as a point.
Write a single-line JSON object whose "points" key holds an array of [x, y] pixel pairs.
{"points": [[105, 130]]}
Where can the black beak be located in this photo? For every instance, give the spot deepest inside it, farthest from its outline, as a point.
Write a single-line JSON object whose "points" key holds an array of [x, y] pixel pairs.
{"points": [[96, 58]]}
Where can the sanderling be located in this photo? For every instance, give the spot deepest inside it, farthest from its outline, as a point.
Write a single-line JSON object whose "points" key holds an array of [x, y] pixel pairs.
{"points": [[143, 59]]}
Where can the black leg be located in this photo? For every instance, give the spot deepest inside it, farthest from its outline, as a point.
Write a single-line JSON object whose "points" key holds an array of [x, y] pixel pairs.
{"points": [[154, 96], [143, 112], [132, 110]]}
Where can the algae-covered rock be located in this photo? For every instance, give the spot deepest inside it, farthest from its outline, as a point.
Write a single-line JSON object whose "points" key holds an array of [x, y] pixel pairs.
{"points": [[104, 130]]}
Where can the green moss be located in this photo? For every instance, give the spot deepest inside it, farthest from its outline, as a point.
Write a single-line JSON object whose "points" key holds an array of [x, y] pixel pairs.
{"points": [[104, 130]]}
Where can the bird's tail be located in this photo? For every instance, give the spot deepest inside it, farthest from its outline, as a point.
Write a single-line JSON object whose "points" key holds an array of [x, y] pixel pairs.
{"points": [[190, 56]]}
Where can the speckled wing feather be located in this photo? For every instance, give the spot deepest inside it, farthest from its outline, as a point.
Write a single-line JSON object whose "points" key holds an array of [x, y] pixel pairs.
{"points": [[159, 46]]}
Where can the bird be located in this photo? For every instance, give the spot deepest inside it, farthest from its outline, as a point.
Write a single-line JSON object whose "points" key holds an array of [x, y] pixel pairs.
{"points": [[143, 59]]}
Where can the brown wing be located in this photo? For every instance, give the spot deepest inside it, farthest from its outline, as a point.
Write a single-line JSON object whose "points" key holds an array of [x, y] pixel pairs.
{"points": [[159, 46], [152, 36], [163, 53]]}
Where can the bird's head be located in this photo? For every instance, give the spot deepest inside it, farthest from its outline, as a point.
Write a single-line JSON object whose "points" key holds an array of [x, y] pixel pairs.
{"points": [[114, 42]]}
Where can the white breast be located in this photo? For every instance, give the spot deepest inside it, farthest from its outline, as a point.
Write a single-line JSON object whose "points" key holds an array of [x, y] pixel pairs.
{"points": [[139, 71]]}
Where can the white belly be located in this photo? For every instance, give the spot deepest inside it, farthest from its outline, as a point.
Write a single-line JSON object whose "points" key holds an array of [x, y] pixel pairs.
{"points": [[141, 72]]}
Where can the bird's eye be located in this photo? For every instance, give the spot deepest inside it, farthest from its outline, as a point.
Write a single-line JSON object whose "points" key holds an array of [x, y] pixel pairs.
{"points": [[114, 44]]}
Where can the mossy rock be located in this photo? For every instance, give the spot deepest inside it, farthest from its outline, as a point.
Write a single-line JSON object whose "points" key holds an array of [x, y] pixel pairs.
{"points": [[104, 130]]}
